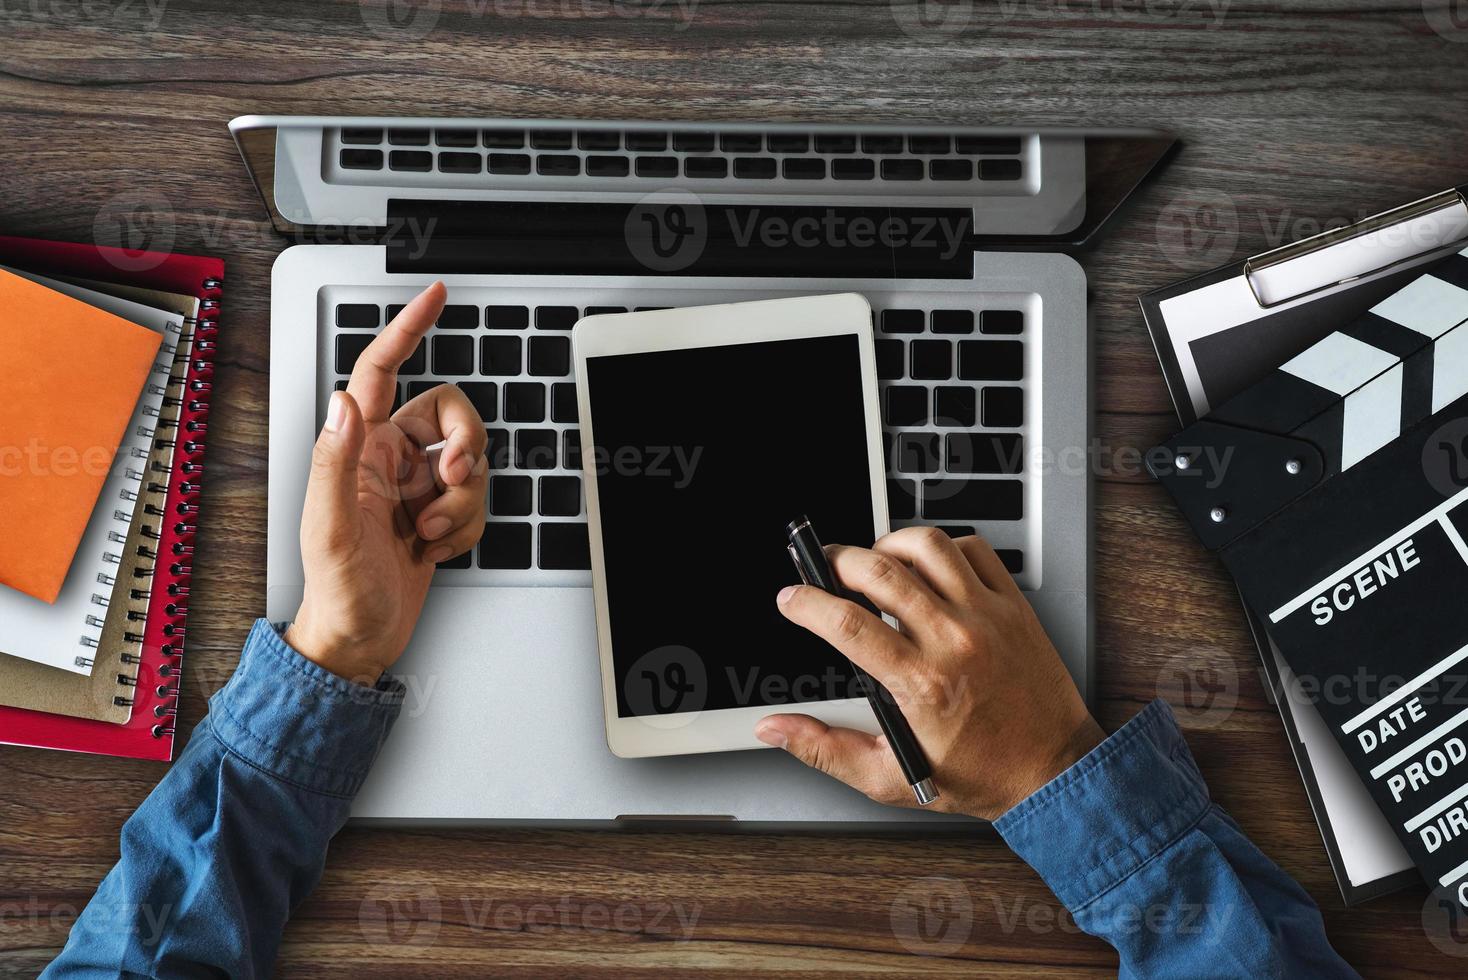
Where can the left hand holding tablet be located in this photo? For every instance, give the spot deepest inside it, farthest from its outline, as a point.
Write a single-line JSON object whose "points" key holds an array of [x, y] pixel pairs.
{"points": [[985, 691]]}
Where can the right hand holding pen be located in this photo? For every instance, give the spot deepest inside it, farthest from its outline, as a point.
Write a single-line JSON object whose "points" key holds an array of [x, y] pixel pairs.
{"points": [[975, 675]]}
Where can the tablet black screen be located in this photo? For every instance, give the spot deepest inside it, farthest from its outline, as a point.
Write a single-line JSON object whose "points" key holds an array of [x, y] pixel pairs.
{"points": [[703, 456]]}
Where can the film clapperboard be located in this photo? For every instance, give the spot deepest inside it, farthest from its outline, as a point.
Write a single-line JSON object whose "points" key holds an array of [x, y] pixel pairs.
{"points": [[1336, 492]]}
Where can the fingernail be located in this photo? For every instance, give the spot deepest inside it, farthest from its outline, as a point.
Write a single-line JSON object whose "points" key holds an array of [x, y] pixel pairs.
{"points": [[771, 735], [335, 411], [440, 554], [435, 526], [786, 594]]}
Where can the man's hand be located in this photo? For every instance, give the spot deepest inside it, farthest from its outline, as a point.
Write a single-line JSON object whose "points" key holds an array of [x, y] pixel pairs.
{"points": [[972, 669], [376, 520]]}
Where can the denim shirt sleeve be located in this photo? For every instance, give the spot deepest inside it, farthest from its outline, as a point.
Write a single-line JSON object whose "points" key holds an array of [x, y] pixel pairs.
{"points": [[1130, 842], [234, 836]]}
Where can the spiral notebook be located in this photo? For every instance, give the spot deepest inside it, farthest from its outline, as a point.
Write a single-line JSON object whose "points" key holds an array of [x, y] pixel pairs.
{"points": [[151, 676]]}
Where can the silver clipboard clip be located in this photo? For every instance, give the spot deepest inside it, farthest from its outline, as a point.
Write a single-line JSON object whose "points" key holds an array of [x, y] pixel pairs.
{"points": [[1438, 207]]}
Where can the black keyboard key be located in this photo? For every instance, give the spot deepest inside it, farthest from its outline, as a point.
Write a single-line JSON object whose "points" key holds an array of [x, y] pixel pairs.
{"points": [[693, 142], [505, 546], [599, 139], [929, 144], [788, 142], [453, 356], [572, 450], [407, 137], [499, 356], [902, 499], [358, 135], [985, 452], [525, 402], [906, 405], [955, 499], [550, 356], [918, 452], [358, 316], [555, 317], [509, 163], [411, 161], [711, 168], [754, 168], [497, 449], [1004, 408], [460, 163], [1002, 321], [983, 145], [835, 143], [393, 310], [504, 139], [511, 496], [557, 165], [563, 402], [708, 167], [647, 142], [956, 530], [741, 142], [902, 321], [535, 449], [457, 138], [932, 360], [881, 144], [361, 159], [607, 166], [416, 388], [349, 347], [991, 360], [657, 166], [550, 139], [602, 310], [651, 309], [484, 396], [853, 169], [506, 317], [999, 170], [806, 169], [953, 321], [951, 169], [1013, 558], [564, 546], [902, 170], [955, 407], [462, 561], [459, 317], [560, 496], [890, 360]]}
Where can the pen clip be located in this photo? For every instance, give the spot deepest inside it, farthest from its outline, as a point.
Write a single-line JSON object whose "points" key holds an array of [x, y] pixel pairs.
{"points": [[799, 567]]}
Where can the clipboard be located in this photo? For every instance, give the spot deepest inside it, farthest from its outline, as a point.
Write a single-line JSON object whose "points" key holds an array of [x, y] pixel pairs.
{"points": [[1218, 333]]}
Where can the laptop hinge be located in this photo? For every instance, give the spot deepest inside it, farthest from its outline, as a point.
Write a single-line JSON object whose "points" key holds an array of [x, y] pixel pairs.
{"points": [[675, 234]]}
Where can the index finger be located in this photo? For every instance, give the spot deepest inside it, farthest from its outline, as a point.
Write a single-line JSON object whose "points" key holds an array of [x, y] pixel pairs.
{"points": [[374, 380], [860, 636]]}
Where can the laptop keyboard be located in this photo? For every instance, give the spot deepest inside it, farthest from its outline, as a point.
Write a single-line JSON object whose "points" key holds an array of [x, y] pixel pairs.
{"points": [[953, 404], [708, 158]]}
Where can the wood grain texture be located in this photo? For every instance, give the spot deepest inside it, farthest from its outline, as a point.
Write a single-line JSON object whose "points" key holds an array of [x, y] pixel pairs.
{"points": [[1290, 113]]}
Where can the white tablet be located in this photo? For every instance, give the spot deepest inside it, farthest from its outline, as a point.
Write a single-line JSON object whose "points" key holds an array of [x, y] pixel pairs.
{"points": [[704, 432]]}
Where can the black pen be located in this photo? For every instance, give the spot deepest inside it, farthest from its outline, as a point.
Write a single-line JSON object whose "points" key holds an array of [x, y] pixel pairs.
{"points": [[815, 569]]}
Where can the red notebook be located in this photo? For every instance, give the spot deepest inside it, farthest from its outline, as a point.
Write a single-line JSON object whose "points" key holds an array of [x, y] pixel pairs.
{"points": [[150, 732]]}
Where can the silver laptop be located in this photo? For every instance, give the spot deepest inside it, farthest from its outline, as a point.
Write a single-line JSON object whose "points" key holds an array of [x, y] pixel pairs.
{"points": [[955, 235]]}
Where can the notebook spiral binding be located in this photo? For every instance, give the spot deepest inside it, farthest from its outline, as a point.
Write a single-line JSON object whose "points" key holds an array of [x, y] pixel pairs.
{"points": [[175, 538]]}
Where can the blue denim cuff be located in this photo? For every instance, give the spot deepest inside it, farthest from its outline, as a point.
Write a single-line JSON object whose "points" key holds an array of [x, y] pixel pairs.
{"points": [[299, 722], [1124, 803]]}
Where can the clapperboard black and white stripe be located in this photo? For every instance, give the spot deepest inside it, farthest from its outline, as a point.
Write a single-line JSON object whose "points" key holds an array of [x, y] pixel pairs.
{"points": [[1336, 492]]}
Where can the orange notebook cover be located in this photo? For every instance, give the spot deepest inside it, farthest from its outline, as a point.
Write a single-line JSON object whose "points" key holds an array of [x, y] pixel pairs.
{"points": [[72, 378]]}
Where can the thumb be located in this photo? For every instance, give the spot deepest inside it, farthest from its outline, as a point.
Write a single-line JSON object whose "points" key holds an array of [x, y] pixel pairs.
{"points": [[857, 759], [331, 494]]}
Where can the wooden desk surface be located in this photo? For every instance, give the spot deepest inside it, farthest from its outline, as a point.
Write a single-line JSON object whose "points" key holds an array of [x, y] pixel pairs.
{"points": [[1328, 111]]}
